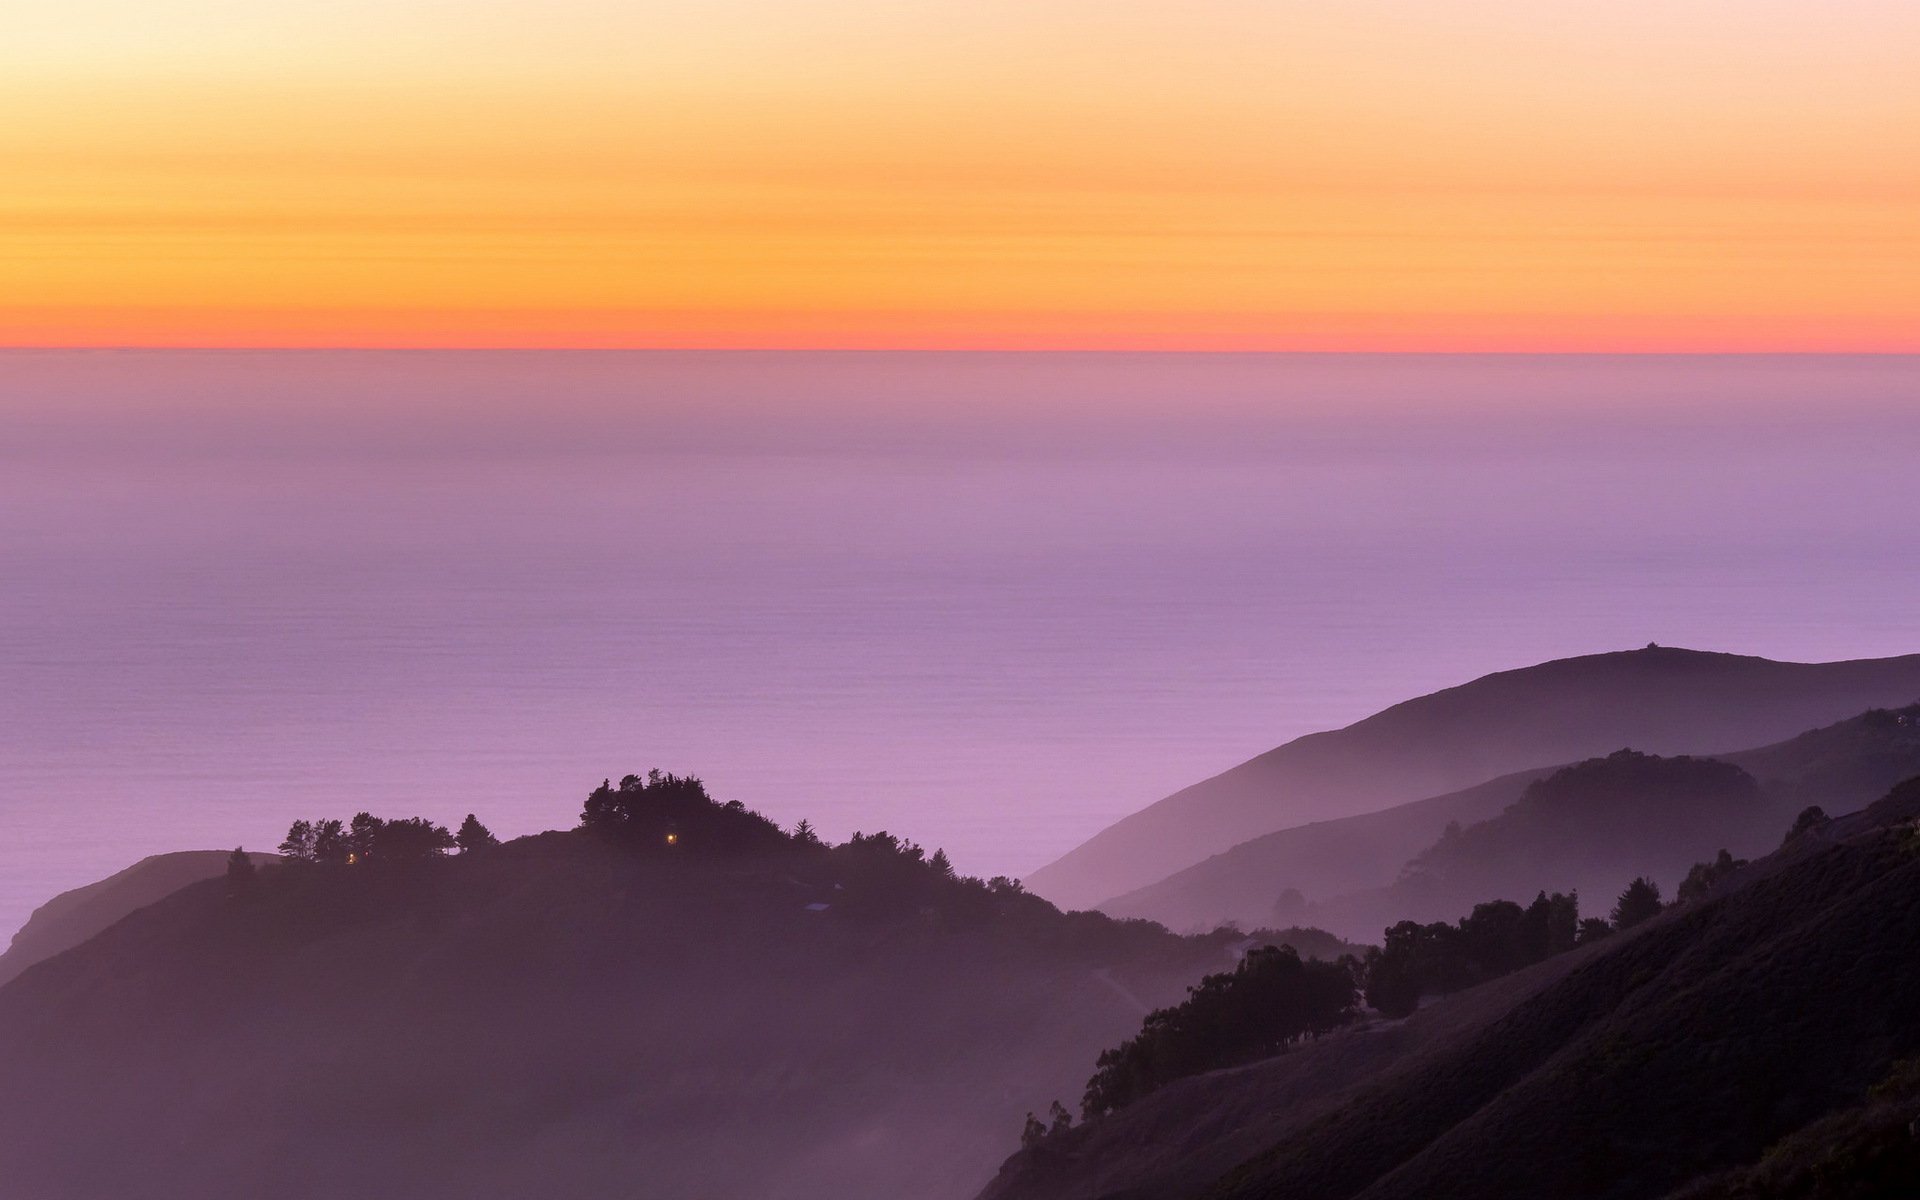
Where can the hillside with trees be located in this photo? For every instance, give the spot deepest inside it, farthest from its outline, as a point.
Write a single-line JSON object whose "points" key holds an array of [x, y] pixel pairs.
{"points": [[1754, 1042], [676, 997]]}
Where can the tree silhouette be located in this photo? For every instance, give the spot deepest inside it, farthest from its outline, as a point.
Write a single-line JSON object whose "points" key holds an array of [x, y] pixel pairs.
{"points": [[941, 865], [240, 870], [1271, 1001], [1639, 903], [1811, 818], [360, 836], [330, 842], [1704, 875], [665, 811], [1061, 1119], [1033, 1133], [1592, 929], [298, 845], [407, 839], [474, 836]]}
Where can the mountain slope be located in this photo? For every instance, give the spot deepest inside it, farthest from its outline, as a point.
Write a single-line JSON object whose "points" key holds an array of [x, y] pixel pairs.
{"points": [[568, 1016], [1661, 700], [72, 917], [1320, 860], [1628, 1068], [1348, 869]]}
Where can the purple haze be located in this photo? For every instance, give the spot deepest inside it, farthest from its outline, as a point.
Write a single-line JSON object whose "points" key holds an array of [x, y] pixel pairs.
{"points": [[990, 601]]}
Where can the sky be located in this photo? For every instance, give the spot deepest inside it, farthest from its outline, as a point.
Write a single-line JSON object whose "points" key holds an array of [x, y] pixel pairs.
{"points": [[1216, 174]]}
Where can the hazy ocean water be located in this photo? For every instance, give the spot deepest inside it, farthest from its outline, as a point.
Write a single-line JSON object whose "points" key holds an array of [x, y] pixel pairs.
{"points": [[991, 601]]}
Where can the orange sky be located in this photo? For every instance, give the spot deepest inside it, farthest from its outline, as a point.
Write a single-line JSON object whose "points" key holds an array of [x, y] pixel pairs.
{"points": [[1287, 174]]}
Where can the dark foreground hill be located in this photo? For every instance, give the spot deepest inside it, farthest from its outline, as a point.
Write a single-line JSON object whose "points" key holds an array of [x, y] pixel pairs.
{"points": [[1659, 700], [1751, 1044], [572, 1015], [1358, 874], [72, 917]]}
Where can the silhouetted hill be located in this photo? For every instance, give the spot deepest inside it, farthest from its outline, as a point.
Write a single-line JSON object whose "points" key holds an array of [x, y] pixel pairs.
{"points": [[1590, 828], [1641, 1064], [1660, 700], [72, 917], [1346, 870], [638, 1012], [1321, 860]]}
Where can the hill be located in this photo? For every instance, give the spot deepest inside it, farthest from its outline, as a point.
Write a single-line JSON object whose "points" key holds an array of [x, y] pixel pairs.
{"points": [[677, 1001], [1590, 828], [1346, 870], [72, 917], [1672, 1056], [1659, 700], [1247, 883]]}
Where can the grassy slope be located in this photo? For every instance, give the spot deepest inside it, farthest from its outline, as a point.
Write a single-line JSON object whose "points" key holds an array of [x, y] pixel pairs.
{"points": [[1623, 1070]]}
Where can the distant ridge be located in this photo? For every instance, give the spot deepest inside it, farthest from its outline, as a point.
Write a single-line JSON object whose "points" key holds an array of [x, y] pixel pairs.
{"points": [[1779, 1007], [74, 916], [1662, 700], [1343, 868]]}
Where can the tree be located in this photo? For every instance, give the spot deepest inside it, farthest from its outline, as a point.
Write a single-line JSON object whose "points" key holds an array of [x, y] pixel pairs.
{"points": [[1639, 903], [474, 836], [1062, 1120], [804, 833], [1270, 1002], [298, 845], [408, 839], [1592, 929], [1811, 818], [1705, 875], [240, 870], [330, 842], [1033, 1133], [942, 867], [360, 836], [665, 810]]}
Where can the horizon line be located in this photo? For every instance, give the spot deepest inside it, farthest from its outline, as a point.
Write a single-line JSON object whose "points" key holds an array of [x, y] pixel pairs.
{"points": [[777, 348]]}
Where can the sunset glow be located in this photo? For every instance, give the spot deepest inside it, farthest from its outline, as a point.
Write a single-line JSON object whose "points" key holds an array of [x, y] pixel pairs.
{"points": [[1693, 175]]}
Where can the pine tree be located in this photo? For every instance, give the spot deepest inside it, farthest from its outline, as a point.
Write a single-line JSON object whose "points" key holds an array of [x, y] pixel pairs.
{"points": [[299, 843], [240, 870], [941, 865], [474, 836], [1639, 903]]}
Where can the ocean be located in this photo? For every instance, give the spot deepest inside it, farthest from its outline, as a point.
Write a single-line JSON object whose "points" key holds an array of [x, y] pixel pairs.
{"points": [[988, 601]]}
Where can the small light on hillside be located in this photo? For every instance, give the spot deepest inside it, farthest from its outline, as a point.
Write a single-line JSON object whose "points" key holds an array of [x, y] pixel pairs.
{"points": [[673, 839]]}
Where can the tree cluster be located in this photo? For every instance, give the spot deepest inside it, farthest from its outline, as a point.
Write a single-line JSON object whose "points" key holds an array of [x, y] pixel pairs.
{"points": [[1035, 1132], [666, 812], [1497, 937], [1271, 1001], [370, 839], [1705, 876]]}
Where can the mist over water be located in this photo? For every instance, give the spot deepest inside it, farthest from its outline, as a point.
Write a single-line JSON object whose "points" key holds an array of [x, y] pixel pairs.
{"points": [[989, 601]]}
